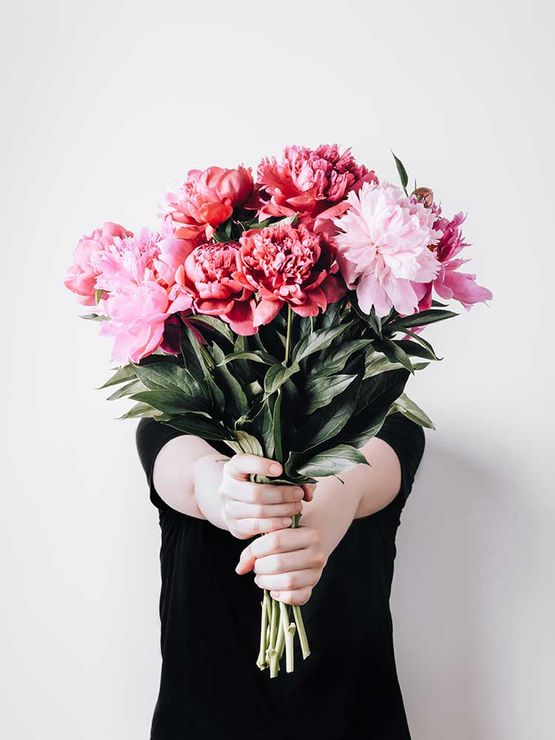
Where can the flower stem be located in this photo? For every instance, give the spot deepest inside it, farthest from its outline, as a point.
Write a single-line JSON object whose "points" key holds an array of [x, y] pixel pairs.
{"points": [[303, 639], [290, 648], [288, 337], [261, 661]]}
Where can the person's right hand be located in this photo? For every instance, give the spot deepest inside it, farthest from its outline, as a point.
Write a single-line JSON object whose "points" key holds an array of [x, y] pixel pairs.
{"points": [[250, 509]]}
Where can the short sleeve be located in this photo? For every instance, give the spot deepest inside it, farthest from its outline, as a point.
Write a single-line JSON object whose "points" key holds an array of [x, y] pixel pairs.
{"points": [[150, 437], [407, 439]]}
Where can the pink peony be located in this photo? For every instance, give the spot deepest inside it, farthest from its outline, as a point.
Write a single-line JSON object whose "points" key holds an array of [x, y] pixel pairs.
{"points": [[383, 248], [173, 251], [309, 181], [137, 319], [449, 283], [124, 263], [287, 264], [135, 297], [81, 276], [208, 277], [206, 199]]}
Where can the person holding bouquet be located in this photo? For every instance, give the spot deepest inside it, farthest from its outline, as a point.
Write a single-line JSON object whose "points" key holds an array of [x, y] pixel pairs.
{"points": [[266, 333], [338, 564]]}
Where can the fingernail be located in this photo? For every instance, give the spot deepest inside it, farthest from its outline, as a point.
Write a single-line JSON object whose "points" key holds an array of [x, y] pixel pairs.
{"points": [[275, 468], [287, 522], [274, 594]]}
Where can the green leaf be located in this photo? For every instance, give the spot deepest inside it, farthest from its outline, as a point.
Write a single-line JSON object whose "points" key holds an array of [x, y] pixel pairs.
{"points": [[192, 357], [425, 344], [373, 321], [246, 443], [261, 427], [375, 397], [317, 341], [402, 173], [122, 375], [331, 462], [236, 399], [326, 423], [170, 402], [277, 375], [95, 317], [166, 376], [377, 363], [415, 349], [214, 324], [140, 410], [394, 352], [261, 357], [126, 390], [409, 408], [320, 391], [200, 426], [334, 360], [423, 318]]}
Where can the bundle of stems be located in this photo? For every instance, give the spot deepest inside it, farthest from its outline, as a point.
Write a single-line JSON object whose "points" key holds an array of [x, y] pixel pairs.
{"points": [[279, 625]]}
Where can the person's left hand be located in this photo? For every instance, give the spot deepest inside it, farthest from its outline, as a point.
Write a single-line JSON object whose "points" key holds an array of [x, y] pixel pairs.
{"points": [[287, 562]]}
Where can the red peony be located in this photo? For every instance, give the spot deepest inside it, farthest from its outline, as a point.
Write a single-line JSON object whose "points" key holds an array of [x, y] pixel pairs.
{"points": [[309, 181], [208, 275], [206, 199], [287, 264]]}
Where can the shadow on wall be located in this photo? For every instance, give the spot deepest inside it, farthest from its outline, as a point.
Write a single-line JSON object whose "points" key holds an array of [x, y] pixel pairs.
{"points": [[452, 583]]}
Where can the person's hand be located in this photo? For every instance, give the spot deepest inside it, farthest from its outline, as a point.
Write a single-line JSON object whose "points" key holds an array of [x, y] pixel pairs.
{"points": [[288, 563], [248, 508]]}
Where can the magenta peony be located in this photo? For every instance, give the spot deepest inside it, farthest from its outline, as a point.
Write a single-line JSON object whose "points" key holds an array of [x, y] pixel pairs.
{"points": [[206, 199], [309, 181], [81, 275], [208, 278], [383, 248], [449, 283], [287, 264]]}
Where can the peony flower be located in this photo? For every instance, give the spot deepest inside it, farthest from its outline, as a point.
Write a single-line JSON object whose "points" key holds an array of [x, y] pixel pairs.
{"points": [[287, 264], [173, 251], [208, 278], [135, 297], [81, 276], [124, 263], [309, 181], [136, 322], [449, 283], [206, 199], [383, 248]]}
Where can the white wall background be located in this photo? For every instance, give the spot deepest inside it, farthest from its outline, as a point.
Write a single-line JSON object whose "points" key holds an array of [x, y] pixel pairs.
{"points": [[104, 103]]}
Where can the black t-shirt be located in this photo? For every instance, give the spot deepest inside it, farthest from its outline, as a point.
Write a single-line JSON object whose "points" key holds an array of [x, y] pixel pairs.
{"points": [[211, 688]]}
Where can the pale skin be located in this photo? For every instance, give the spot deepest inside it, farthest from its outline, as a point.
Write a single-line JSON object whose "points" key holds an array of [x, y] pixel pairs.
{"points": [[195, 479]]}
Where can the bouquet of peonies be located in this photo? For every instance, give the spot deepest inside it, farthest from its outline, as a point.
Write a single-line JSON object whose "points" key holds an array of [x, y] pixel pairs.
{"points": [[280, 315]]}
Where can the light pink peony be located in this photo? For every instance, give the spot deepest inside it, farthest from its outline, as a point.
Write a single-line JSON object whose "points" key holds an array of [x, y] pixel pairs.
{"points": [[449, 283], [206, 199], [137, 318], [309, 181], [383, 248], [287, 264], [135, 298], [81, 276], [208, 278]]}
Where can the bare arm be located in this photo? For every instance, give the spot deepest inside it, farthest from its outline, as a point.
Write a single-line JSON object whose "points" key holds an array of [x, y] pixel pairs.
{"points": [[194, 478]]}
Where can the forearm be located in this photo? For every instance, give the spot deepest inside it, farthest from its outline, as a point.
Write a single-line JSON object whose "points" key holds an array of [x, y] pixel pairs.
{"points": [[187, 475], [365, 490]]}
